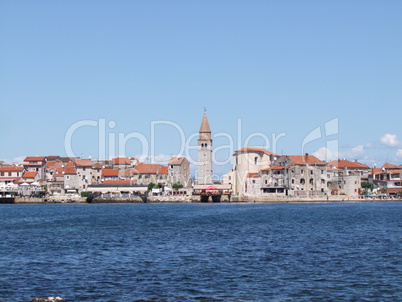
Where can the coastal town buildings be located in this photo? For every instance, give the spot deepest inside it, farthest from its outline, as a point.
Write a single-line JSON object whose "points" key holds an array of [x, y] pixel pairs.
{"points": [[256, 174], [387, 179]]}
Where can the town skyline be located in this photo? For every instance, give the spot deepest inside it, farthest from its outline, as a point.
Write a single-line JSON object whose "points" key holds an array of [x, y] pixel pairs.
{"points": [[278, 68]]}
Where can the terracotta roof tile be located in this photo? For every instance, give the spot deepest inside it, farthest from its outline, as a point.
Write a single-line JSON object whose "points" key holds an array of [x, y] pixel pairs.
{"points": [[29, 174], [121, 161], [305, 159], [10, 168], [376, 171], [254, 149], [252, 175], [34, 158], [276, 168], [163, 170], [70, 169], [341, 164], [83, 163], [144, 168], [391, 166], [110, 172], [177, 160], [128, 172]]}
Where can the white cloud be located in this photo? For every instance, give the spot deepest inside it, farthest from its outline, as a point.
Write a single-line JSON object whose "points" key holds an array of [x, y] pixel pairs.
{"points": [[399, 153], [155, 159], [15, 160], [390, 140], [326, 154], [354, 153]]}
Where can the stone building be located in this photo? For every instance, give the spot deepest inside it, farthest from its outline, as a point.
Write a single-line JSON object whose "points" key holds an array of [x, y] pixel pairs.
{"points": [[245, 161], [295, 175], [179, 171], [71, 179], [84, 172], [35, 163], [204, 164]]}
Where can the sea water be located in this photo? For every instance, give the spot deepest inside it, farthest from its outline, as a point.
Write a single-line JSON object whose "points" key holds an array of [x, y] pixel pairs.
{"points": [[202, 252]]}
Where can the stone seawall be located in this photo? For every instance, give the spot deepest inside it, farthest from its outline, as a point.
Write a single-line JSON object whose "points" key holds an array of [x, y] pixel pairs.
{"points": [[65, 199], [28, 200], [172, 199], [136, 199]]}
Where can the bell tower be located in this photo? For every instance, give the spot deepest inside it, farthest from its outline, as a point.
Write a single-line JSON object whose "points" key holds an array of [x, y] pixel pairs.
{"points": [[204, 176]]}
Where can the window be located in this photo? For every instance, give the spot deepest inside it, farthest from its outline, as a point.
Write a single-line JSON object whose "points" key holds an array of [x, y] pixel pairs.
{"points": [[255, 160], [302, 181], [311, 172], [311, 181], [68, 177], [293, 181], [302, 171], [253, 181], [322, 172]]}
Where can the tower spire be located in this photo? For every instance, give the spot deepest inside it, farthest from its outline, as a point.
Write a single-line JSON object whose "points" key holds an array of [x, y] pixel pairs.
{"points": [[204, 124]]}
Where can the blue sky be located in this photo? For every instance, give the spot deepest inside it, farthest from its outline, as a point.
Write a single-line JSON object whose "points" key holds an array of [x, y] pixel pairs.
{"points": [[282, 68]]}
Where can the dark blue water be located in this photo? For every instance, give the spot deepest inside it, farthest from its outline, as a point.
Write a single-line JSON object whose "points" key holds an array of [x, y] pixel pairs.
{"points": [[202, 252]]}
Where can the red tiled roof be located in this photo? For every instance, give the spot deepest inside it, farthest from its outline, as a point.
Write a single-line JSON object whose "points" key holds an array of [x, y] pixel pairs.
{"points": [[10, 168], [121, 161], [163, 170], [96, 166], [67, 159], [391, 166], [29, 174], [70, 168], [110, 172], [276, 168], [255, 149], [143, 168], [83, 163], [14, 179], [305, 159], [252, 175], [119, 182], [34, 158], [51, 164], [376, 171], [128, 172], [341, 164], [176, 160], [395, 171]]}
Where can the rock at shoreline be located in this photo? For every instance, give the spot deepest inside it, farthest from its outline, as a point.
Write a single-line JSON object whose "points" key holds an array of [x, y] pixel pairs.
{"points": [[50, 299]]}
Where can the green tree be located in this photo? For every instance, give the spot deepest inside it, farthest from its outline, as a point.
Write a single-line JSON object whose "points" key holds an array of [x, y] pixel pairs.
{"points": [[151, 186], [177, 186], [367, 185]]}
